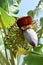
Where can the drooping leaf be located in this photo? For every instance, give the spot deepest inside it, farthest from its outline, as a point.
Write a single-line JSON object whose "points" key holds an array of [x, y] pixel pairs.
{"points": [[39, 32], [31, 13], [35, 11], [41, 21], [7, 20], [13, 9], [33, 59]]}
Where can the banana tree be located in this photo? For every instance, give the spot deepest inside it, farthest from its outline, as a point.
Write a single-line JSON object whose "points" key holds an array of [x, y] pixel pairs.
{"points": [[13, 39]]}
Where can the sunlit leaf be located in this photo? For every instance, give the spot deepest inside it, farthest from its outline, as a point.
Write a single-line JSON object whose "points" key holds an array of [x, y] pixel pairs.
{"points": [[7, 20]]}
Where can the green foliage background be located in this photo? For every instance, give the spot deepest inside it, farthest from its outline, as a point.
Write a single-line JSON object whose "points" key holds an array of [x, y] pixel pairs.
{"points": [[13, 39]]}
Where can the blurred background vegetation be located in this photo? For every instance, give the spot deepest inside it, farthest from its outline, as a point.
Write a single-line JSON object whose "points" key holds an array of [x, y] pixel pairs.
{"points": [[12, 42]]}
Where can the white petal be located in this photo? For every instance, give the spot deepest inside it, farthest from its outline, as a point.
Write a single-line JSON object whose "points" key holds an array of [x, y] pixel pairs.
{"points": [[31, 36]]}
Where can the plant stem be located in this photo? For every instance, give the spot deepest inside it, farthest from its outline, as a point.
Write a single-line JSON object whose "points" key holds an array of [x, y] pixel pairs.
{"points": [[1, 63], [4, 29], [4, 46], [12, 58], [23, 63], [3, 26], [4, 59]]}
